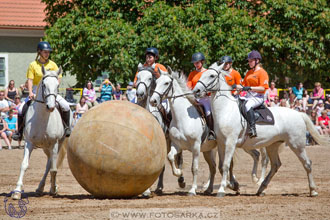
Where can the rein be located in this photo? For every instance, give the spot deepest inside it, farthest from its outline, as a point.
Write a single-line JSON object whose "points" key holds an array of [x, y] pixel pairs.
{"points": [[42, 91]]}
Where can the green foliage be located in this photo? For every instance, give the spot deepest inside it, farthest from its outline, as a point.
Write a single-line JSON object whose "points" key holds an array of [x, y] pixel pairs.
{"points": [[93, 36]]}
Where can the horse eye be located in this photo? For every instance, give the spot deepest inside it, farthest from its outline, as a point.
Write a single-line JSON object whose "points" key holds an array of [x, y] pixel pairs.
{"points": [[167, 83], [212, 76]]}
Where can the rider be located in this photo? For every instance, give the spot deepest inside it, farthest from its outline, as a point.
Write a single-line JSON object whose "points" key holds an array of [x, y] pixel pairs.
{"points": [[34, 75], [152, 56], [198, 59], [256, 83], [234, 76]]}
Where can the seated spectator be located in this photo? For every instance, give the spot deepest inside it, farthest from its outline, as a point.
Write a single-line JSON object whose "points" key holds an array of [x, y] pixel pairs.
{"points": [[272, 92], [24, 91], [106, 91], [81, 107], [284, 103], [3, 135], [131, 93], [324, 122], [318, 94], [287, 93], [305, 98], [89, 94], [298, 90], [11, 92], [327, 105], [17, 106], [315, 121], [276, 102], [319, 108], [291, 100], [298, 106], [12, 126], [117, 94], [4, 105]]}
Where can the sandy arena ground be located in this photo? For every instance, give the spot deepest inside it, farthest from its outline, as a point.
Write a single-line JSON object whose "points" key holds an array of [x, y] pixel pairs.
{"points": [[287, 196]]}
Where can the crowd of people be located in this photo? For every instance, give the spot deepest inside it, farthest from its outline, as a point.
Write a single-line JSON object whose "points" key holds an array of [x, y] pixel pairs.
{"points": [[254, 88]]}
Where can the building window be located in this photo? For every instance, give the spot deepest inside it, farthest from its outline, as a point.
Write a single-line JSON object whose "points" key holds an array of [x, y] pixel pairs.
{"points": [[3, 70]]}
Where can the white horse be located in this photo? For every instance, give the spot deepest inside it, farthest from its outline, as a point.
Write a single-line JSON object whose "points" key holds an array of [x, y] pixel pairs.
{"points": [[145, 84], [290, 127], [43, 129], [186, 128]]}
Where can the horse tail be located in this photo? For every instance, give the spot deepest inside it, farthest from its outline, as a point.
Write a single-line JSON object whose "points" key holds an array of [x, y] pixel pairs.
{"points": [[312, 130], [62, 153]]}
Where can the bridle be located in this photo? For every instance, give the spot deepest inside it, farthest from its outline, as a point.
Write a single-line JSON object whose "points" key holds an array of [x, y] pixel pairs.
{"points": [[43, 86], [143, 83], [210, 86], [165, 93]]}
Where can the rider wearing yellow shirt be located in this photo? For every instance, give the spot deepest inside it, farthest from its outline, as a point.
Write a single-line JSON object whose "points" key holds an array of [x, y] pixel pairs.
{"points": [[34, 75]]}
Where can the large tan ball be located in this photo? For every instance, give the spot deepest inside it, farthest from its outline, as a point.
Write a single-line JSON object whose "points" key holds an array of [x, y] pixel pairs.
{"points": [[116, 150]]}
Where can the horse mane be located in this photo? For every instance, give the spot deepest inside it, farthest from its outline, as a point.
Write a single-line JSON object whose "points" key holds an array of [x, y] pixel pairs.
{"points": [[182, 81]]}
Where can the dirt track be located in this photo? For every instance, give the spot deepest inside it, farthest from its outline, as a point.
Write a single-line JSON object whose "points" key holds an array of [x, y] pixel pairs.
{"points": [[287, 196]]}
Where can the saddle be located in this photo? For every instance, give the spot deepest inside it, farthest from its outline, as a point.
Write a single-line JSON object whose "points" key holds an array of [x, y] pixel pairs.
{"points": [[206, 129], [262, 114]]}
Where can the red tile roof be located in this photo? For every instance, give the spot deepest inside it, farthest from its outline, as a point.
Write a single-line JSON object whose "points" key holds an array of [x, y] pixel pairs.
{"points": [[22, 14]]}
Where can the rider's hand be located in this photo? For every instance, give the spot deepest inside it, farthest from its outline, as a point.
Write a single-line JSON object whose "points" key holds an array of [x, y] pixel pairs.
{"points": [[246, 88], [31, 95], [234, 86]]}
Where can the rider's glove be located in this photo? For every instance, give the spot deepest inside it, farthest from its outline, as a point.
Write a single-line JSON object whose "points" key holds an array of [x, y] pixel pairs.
{"points": [[246, 88], [234, 86]]}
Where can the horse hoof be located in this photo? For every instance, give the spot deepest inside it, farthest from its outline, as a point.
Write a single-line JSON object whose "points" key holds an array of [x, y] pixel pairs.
{"points": [[191, 194], [207, 193], [221, 194], [181, 182], [16, 196], [314, 194], [255, 179], [261, 194], [159, 191]]}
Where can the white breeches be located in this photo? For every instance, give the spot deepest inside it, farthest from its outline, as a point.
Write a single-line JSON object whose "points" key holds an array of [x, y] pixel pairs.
{"points": [[254, 99]]}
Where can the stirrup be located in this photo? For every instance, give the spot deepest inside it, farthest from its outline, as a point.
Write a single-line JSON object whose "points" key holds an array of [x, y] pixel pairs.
{"points": [[252, 133], [67, 132], [16, 136]]}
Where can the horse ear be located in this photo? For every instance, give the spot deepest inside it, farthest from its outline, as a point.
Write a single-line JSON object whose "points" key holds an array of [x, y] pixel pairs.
{"points": [[140, 67], [59, 71], [169, 69], [161, 71]]}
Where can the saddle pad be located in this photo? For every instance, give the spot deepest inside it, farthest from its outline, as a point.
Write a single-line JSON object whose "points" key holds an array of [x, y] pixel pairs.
{"points": [[264, 116]]}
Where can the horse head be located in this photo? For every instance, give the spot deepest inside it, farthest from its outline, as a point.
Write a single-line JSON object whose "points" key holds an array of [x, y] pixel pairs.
{"points": [[163, 86], [144, 80], [48, 88], [209, 81]]}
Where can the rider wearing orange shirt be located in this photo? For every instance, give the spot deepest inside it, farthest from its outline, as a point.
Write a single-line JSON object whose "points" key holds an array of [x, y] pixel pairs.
{"points": [[234, 76], [256, 82], [152, 56], [198, 60]]}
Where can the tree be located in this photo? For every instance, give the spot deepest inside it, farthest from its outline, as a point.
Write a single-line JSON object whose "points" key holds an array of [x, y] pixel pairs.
{"points": [[92, 36]]}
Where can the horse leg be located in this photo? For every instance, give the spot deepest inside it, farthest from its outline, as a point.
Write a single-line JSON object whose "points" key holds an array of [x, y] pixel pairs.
{"points": [[307, 163], [179, 161], [25, 164], [171, 156], [53, 169], [234, 185], [194, 170], [255, 156], [210, 159], [275, 162], [160, 185], [264, 162], [227, 154], [41, 186]]}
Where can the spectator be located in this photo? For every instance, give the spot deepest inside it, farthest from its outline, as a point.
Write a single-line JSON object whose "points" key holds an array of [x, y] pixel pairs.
{"points": [[4, 105], [81, 107], [291, 100], [298, 106], [305, 98], [315, 121], [287, 93], [106, 90], [298, 90], [131, 93], [12, 126], [89, 94], [24, 91], [117, 94], [324, 122], [276, 102], [17, 106], [3, 135], [272, 92], [11, 92], [318, 94], [319, 108], [327, 105], [284, 103]]}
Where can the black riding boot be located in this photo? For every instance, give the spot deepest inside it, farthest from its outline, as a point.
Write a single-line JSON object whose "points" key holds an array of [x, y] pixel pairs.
{"points": [[20, 126], [67, 127], [209, 122], [252, 123]]}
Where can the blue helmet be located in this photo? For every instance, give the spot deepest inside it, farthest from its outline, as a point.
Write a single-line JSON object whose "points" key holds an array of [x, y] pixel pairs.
{"points": [[226, 59], [254, 54], [197, 57], [44, 45], [153, 51]]}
